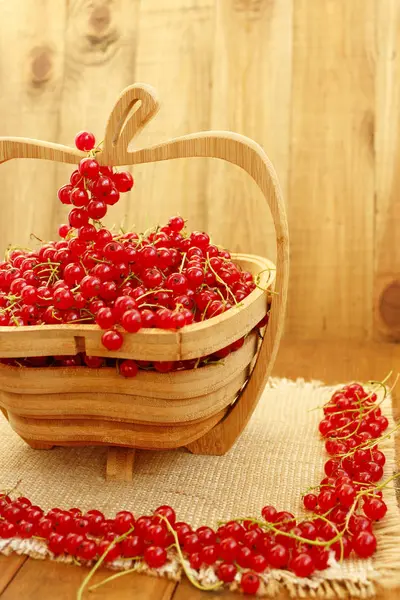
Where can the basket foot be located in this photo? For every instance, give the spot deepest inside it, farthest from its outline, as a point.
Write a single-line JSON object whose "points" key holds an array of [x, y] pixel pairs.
{"points": [[38, 445], [120, 464]]}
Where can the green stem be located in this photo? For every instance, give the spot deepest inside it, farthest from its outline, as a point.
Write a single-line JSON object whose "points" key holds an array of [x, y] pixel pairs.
{"points": [[183, 562], [115, 576]]}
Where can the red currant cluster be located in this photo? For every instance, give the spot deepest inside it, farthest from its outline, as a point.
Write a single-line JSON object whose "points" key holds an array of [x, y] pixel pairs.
{"points": [[344, 506], [91, 188], [166, 278]]}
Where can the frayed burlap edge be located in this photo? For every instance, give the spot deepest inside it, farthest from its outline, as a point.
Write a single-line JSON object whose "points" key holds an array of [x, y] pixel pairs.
{"points": [[386, 563]]}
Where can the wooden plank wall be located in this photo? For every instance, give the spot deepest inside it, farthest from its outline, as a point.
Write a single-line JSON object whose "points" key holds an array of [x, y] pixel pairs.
{"points": [[316, 82]]}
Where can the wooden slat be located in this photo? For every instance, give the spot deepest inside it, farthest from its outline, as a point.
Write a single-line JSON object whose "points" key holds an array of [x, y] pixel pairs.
{"points": [[174, 54], [100, 55], [9, 567], [387, 147], [47, 580], [251, 94], [31, 84], [331, 187]]}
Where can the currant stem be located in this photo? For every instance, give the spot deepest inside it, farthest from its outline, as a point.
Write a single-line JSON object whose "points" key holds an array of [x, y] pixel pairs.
{"points": [[183, 562]]}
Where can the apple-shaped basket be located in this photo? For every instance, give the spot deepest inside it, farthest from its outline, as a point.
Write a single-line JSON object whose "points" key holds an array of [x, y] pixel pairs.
{"points": [[203, 409]]}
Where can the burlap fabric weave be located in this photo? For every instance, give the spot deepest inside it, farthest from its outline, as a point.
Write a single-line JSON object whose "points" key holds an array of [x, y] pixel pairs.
{"points": [[278, 456]]}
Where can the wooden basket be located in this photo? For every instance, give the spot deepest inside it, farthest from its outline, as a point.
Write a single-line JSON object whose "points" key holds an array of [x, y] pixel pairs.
{"points": [[203, 409]]}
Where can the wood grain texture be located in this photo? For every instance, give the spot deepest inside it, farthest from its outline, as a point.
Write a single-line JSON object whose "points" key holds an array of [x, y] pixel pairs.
{"points": [[120, 464], [314, 81], [331, 184], [327, 361], [252, 79], [101, 40], [9, 567], [45, 580], [175, 55], [387, 253], [31, 67]]}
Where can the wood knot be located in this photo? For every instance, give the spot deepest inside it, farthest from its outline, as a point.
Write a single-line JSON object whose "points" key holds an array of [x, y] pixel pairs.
{"points": [[100, 18], [41, 65], [389, 305], [100, 35], [251, 10]]}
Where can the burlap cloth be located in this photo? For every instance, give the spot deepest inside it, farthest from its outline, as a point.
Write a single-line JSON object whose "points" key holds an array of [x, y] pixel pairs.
{"points": [[278, 456]]}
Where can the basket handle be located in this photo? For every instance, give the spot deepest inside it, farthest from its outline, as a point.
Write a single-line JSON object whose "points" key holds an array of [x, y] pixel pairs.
{"points": [[246, 154], [134, 108]]}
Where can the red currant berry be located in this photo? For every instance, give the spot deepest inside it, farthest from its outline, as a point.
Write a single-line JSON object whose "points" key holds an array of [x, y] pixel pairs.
{"points": [[226, 572], [228, 549], [7, 530], [123, 181], [310, 501], [97, 209], [128, 368], [269, 514], [278, 556], [79, 198], [85, 141], [191, 543], [166, 511], [72, 543], [87, 233], [176, 224], [375, 509], [364, 544], [89, 167], [90, 286], [208, 554], [131, 320], [56, 543], [112, 340], [102, 187], [63, 230], [64, 194], [182, 529], [78, 218], [302, 565], [346, 494], [155, 556], [249, 582], [87, 550], [132, 546], [124, 520]]}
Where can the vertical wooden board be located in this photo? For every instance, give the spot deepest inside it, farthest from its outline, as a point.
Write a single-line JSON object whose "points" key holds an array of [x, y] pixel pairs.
{"points": [[100, 54], [251, 95], [387, 209], [31, 76], [174, 55], [331, 185]]}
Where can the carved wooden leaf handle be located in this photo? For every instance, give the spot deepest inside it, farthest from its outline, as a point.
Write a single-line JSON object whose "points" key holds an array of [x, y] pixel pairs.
{"points": [[134, 108]]}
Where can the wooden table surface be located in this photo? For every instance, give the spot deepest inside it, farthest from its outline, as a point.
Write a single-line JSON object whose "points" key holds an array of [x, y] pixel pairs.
{"points": [[25, 578]]}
